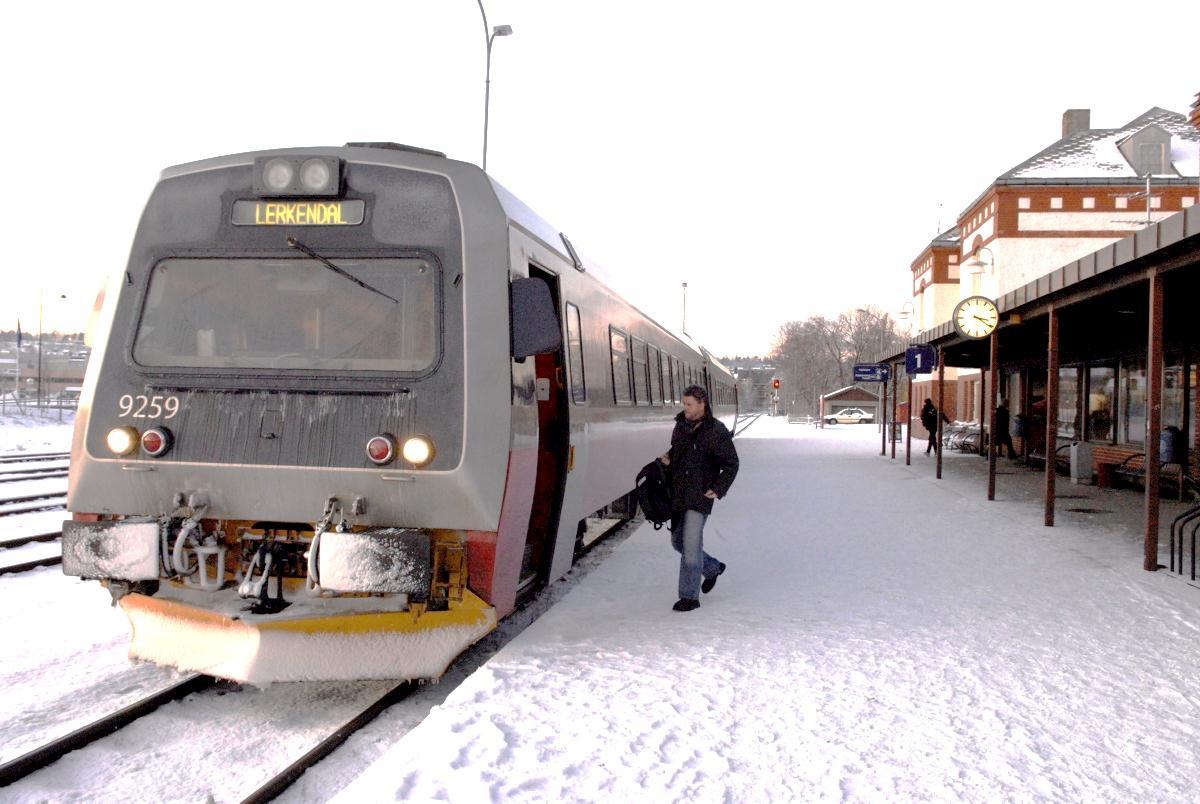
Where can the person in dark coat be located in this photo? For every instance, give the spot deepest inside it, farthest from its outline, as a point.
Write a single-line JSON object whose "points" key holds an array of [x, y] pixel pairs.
{"points": [[702, 465], [1003, 436], [929, 420]]}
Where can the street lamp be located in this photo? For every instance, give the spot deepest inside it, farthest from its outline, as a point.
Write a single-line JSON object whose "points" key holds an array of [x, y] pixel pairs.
{"points": [[490, 34], [977, 266]]}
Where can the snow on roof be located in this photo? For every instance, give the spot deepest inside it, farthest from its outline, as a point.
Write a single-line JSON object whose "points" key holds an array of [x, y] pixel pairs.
{"points": [[840, 391], [1093, 153]]}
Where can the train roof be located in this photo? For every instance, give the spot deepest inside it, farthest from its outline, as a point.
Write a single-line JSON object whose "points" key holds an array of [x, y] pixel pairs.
{"points": [[517, 211]]}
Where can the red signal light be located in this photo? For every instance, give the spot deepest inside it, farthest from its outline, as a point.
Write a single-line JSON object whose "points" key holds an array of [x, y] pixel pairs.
{"points": [[775, 384]]}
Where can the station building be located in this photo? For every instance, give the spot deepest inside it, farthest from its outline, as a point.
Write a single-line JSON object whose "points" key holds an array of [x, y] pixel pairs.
{"points": [[1094, 279], [1091, 188]]}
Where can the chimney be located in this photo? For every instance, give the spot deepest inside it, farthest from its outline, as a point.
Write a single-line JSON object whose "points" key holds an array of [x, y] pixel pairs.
{"points": [[1076, 120]]}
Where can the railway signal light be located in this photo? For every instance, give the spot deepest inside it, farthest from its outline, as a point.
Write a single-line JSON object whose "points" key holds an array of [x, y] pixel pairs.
{"points": [[775, 384]]}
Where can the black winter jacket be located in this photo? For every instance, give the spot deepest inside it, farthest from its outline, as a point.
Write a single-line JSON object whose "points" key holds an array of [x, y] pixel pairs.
{"points": [[702, 457]]}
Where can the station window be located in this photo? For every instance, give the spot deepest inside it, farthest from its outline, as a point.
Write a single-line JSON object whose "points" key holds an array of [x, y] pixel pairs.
{"points": [[655, 378], [1132, 404], [1069, 379], [641, 373], [575, 355], [1101, 402], [619, 345]]}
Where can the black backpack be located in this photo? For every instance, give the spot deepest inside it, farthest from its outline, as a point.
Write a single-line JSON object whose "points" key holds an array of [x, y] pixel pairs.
{"points": [[654, 493]]}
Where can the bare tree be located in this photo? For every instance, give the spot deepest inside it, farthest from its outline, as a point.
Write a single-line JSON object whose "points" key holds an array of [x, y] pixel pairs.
{"points": [[817, 355]]}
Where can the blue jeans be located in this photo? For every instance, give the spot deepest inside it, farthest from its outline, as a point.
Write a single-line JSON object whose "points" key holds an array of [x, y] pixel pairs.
{"points": [[687, 537]]}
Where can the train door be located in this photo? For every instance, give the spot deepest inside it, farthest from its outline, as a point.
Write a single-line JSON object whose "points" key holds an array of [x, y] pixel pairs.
{"points": [[553, 437]]}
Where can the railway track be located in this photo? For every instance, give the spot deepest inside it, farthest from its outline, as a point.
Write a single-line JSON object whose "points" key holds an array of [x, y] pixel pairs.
{"points": [[45, 501], [17, 769], [27, 764], [13, 476]]}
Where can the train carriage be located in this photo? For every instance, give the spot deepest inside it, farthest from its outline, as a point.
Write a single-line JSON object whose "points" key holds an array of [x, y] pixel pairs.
{"points": [[350, 405]]}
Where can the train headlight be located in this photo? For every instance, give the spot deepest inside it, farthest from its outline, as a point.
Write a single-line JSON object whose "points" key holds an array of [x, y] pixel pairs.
{"points": [[381, 449], [315, 175], [277, 175], [122, 440], [418, 450], [156, 441], [297, 176]]}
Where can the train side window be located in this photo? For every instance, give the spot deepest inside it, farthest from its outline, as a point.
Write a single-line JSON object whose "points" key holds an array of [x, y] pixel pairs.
{"points": [[575, 355], [619, 345], [676, 382], [641, 373], [655, 377]]}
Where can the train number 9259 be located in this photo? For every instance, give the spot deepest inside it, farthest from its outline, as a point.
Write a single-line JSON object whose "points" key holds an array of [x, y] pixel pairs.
{"points": [[148, 407]]}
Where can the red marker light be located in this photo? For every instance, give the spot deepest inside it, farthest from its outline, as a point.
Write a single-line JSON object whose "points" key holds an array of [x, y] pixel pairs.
{"points": [[156, 441], [381, 449]]}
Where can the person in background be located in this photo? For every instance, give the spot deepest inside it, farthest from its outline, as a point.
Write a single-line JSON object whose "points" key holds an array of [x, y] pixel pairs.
{"points": [[702, 464], [929, 420], [1002, 435]]}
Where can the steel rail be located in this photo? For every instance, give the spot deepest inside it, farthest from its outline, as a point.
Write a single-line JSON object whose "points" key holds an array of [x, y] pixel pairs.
{"points": [[25, 566], [17, 541], [45, 474], [17, 769], [288, 776], [34, 456], [33, 497]]}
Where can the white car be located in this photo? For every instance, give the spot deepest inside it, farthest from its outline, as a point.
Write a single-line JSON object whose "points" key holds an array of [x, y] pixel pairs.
{"points": [[850, 416]]}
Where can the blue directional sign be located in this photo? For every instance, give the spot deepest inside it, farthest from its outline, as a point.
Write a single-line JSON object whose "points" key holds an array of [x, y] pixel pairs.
{"points": [[920, 359], [871, 372]]}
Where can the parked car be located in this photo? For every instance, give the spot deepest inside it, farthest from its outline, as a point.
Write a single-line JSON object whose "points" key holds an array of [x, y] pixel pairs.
{"points": [[850, 416]]}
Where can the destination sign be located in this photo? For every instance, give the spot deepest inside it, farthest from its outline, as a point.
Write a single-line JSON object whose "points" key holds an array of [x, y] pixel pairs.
{"points": [[298, 213]]}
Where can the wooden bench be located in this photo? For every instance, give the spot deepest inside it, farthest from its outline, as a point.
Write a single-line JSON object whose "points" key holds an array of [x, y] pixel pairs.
{"points": [[1062, 458], [1133, 468]]}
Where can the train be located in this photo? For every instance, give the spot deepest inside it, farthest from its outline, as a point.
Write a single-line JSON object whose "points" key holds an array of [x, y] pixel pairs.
{"points": [[348, 407]]}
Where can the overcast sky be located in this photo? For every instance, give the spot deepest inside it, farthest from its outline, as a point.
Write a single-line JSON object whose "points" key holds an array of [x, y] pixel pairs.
{"points": [[782, 158]]}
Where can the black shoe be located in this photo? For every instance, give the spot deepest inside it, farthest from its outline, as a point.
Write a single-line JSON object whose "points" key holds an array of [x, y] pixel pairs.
{"points": [[707, 585], [686, 604]]}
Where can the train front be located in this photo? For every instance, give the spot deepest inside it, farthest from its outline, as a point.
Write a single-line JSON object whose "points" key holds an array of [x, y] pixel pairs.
{"points": [[269, 469]]}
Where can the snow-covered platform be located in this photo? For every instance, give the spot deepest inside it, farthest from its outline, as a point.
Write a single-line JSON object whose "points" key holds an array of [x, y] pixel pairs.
{"points": [[879, 635]]}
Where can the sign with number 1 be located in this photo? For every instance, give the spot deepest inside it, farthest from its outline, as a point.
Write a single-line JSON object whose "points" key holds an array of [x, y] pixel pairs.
{"points": [[920, 359]]}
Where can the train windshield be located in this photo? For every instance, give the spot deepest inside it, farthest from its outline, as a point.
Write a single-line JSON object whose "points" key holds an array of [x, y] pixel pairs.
{"points": [[291, 314]]}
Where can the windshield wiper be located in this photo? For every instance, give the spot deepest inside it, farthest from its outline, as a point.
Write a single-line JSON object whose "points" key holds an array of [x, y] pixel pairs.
{"points": [[296, 244]]}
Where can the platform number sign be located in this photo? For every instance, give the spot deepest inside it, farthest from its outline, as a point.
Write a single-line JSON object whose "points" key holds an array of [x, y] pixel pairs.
{"points": [[920, 359]]}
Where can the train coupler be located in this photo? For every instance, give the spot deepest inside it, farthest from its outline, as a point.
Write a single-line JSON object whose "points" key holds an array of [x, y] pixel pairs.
{"points": [[256, 583]]}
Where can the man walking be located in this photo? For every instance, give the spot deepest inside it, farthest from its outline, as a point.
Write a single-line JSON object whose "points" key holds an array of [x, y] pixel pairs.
{"points": [[1002, 435], [702, 464], [929, 420]]}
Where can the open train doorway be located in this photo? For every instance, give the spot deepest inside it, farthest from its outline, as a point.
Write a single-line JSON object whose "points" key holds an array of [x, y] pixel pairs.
{"points": [[553, 446]]}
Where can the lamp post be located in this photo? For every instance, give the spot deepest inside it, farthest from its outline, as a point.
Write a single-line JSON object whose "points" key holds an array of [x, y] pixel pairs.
{"points": [[490, 35]]}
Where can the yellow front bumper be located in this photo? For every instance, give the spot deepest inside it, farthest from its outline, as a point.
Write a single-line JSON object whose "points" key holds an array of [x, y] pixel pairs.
{"points": [[393, 645]]}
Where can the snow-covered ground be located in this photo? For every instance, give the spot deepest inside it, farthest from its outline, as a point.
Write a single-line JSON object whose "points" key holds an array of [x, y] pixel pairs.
{"points": [[879, 635]]}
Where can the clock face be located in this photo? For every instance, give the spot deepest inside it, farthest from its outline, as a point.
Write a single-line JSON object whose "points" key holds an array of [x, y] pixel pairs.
{"points": [[976, 317]]}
